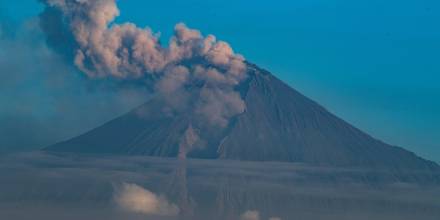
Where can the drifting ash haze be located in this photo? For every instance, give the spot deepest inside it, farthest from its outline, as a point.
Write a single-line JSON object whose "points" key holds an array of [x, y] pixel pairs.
{"points": [[125, 52]]}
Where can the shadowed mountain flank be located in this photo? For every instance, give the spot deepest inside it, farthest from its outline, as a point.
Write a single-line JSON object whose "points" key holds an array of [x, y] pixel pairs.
{"points": [[279, 124]]}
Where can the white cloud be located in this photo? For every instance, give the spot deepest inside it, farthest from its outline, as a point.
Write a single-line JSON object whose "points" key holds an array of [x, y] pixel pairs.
{"points": [[133, 198], [254, 215], [250, 215]]}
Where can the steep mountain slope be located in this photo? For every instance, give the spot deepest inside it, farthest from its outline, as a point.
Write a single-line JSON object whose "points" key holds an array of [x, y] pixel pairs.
{"points": [[279, 124]]}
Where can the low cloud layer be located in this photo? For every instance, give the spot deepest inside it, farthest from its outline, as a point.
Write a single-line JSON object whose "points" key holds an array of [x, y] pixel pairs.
{"points": [[84, 186], [125, 52], [133, 198]]}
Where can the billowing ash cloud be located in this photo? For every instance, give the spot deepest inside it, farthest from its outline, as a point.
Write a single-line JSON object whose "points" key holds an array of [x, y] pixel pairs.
{"points": [[103, 49], [133, 198]]}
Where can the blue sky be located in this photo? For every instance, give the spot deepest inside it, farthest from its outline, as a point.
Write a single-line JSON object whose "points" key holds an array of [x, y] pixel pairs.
{"points": [[374, 63]]}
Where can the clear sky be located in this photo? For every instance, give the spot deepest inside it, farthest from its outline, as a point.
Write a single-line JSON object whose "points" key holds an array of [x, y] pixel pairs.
{"points": [[374, 63]]}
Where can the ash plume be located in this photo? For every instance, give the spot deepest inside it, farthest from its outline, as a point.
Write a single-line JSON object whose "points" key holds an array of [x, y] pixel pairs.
{"points": [[124, 52], [187, 143], [178, 188]]}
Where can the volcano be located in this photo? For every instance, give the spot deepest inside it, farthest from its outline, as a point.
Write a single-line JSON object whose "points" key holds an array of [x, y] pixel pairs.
{"points": [[279, 124]]}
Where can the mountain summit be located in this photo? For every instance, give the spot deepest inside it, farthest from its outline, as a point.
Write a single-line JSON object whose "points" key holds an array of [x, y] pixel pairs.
{"points": [[279, 124]]}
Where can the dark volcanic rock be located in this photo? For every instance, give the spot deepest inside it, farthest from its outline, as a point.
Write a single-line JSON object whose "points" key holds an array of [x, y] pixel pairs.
{"points": [[279, 124]]}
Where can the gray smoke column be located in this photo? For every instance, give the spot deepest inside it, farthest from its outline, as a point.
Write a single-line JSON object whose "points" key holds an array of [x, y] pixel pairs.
{"points": [[103, 49]]}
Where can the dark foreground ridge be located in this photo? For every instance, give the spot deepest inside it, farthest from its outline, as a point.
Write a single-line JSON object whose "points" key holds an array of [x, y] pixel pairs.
{"points": [[279, 124]]}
